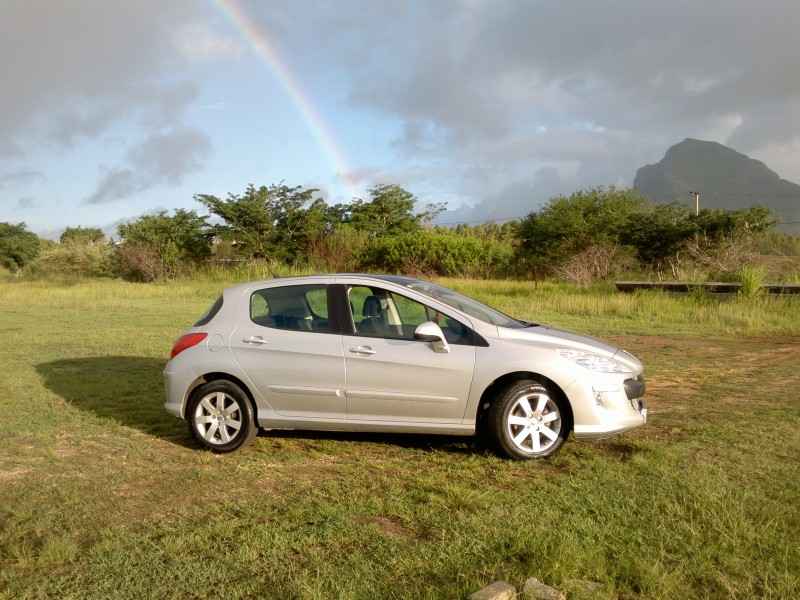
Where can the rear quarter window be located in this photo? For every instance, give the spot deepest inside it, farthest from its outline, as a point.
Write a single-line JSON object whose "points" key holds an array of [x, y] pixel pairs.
{"points": [[210, 313]]}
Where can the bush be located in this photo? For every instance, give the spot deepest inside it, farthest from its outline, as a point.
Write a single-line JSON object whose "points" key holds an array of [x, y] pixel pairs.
{"points": [[146, 261], [74, 261], [752, 277], [430, 253], [340, 250]]}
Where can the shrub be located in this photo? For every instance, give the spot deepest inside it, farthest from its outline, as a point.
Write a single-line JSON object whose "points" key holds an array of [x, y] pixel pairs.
{"points": [[74, 261], [752, 277], [340, 250], [436, 252]]}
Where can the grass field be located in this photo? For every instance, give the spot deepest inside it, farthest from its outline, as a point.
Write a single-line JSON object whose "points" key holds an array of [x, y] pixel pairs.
{"points": [[102, 494]]}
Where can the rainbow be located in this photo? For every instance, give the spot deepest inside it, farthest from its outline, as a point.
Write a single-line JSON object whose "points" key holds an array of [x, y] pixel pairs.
{"points": [[266, 52]]}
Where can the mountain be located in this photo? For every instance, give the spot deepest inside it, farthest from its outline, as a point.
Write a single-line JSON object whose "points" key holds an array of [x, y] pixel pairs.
{"points": [[723, 177]]}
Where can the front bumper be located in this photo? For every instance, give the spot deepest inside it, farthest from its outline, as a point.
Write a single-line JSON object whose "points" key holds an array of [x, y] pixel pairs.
{"points": [[606, 408]]}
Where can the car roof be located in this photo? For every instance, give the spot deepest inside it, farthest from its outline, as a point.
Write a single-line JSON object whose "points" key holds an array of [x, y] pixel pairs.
{"points": [[327, 277]]}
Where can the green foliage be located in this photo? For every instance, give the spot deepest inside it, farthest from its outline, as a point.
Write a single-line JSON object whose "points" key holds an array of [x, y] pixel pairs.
{"points": [[569, 225], [75, 260], [718, 224], [268, 222], [340, 250], [752, 277], [389, 212], [771, 243], [18, 246], [157, 246], [438, 252], [659, 237], [509, 232], [429, 214], [658, 233], [82, 235]]}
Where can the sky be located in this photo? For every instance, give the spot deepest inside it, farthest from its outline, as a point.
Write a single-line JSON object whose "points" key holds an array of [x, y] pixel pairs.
{"points": [[113, 109]]}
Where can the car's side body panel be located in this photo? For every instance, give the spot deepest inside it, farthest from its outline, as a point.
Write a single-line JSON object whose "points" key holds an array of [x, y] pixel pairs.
{"points": [[406, 380], [298, 374]]}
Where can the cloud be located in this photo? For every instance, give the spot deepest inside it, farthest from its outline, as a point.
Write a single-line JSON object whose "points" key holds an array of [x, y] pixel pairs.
{"points": [[508, 88], [197, 42], [160, 159], [493, 106], [27, 203], [19, 177]]}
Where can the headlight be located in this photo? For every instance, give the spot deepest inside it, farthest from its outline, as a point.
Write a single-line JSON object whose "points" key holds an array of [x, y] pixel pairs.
{"points": [[595, 362]]}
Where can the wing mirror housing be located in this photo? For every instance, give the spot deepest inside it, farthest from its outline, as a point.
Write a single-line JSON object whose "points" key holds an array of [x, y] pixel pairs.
{"points": [[431, 332]]}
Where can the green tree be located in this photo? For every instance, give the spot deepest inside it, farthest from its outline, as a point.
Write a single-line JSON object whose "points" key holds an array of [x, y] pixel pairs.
{"points": [[268, 222], [389, 212], [663, 233], [715, 224], [18, 246], [429, 214], [82, 235], [569, 225], [659, 234]]}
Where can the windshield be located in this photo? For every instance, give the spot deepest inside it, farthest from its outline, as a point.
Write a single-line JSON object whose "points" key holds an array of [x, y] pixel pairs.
{"points": [[465, 304]]}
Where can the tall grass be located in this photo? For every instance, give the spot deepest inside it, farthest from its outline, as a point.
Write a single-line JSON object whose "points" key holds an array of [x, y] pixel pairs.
{"points": [[752, 277], [602, 310]]}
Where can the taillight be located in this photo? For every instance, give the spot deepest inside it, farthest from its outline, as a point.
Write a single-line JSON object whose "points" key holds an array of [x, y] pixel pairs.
{"points": [[186, 341]]}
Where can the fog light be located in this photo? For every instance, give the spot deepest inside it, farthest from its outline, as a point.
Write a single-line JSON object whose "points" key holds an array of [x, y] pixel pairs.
{"points": [[598, 399]]}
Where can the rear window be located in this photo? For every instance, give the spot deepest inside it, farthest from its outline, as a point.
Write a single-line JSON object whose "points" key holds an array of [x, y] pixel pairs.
{"points": [[210, 313]]}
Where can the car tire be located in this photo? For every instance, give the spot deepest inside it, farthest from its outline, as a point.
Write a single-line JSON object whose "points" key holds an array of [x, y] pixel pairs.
{"points": [[527, 421], [220, 416]]}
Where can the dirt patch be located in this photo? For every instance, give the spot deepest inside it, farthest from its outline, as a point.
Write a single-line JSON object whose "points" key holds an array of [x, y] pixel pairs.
{"points": [[388, 525], [13, 475]]}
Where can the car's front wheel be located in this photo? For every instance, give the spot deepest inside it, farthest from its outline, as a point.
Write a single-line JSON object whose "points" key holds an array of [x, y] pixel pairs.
{"points": [[527, 421], [220, 416]]}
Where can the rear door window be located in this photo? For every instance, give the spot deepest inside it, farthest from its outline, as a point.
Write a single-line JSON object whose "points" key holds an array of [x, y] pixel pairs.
{"points": [[296, 308]]}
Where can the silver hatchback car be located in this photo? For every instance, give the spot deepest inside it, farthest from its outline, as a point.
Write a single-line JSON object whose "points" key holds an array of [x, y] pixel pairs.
{"points": [[393, 354]]}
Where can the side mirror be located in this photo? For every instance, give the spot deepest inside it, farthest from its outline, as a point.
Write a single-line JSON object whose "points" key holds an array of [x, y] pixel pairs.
{"points": [[431, 332]]}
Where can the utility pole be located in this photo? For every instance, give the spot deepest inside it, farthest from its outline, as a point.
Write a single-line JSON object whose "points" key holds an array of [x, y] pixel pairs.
{"points": [[696, 202]]}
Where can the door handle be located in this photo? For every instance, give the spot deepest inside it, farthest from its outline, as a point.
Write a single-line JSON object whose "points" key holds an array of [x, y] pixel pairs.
{"points": [[255, 339], [363, 350]]}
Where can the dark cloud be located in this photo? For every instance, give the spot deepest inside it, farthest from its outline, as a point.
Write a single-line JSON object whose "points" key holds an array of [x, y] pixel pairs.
{"points": [[160, 159], [499, 105], [24, 203], [97, 55], [19, 177], [508, 88]]}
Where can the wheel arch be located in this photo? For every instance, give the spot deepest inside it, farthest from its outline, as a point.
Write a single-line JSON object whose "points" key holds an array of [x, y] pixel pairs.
{"points": [[490, 394], [219, 376]]}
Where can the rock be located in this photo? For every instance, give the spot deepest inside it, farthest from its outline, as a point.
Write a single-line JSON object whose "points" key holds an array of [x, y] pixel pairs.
{"points": [[499, 590], [536, 590]]}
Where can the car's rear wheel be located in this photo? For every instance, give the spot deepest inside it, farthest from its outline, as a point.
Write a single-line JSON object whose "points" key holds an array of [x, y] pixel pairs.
{"points": [[528, 421], [220, 416]]}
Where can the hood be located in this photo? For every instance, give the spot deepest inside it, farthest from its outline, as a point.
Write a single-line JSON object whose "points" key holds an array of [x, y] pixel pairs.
{"points": [[561, 338]]}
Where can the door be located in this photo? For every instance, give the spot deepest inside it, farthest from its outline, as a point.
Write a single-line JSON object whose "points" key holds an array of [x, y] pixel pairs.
{"points": [[391, 376], [285, 345]]}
